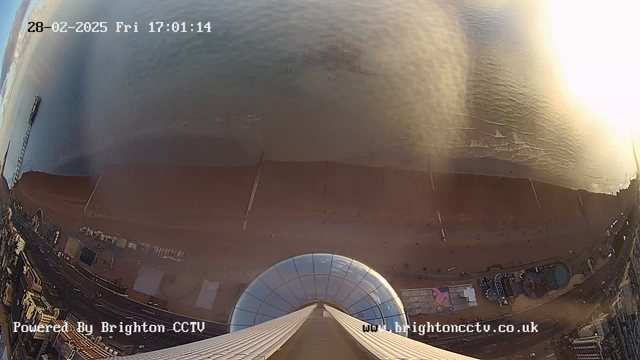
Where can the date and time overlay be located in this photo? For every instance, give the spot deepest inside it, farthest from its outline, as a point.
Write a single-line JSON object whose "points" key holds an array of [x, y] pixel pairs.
{"points": [[120, 27]]}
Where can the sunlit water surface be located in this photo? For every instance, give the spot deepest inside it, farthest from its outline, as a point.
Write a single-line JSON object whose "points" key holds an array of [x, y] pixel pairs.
{"points": [[413, 84]]}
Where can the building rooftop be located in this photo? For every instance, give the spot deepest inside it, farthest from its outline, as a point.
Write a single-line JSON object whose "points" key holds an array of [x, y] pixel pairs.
{"points": [[439, 300], [35, 298], [79, 342]]}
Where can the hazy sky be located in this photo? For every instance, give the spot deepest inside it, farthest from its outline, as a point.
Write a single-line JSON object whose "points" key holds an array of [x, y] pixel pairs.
{"points": [[8, 10]]}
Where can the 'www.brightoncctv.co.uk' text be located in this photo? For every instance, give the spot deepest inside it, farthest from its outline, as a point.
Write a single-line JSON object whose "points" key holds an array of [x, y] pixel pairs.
{"points": [[430, 328]]}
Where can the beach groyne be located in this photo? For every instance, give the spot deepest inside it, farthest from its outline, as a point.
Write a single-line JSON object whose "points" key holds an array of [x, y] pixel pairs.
{"points": [[398, 215]]}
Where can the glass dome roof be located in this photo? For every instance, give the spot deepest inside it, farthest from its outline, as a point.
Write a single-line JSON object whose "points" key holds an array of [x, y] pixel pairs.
{"points": [[334, 279]]}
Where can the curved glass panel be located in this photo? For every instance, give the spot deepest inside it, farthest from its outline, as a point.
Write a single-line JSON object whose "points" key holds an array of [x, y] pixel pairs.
{"points": [[287, 270], [296, 288], [332, 288], [285, 293], [271, 278], [304, 264], [322, 263], [348, 283]]}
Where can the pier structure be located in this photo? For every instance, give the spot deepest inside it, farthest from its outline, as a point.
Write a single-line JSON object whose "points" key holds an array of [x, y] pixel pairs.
{"points": [[34, 112]]}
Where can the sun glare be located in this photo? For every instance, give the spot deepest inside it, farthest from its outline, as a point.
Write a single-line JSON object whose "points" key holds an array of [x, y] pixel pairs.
{"points": [[596, 47]]}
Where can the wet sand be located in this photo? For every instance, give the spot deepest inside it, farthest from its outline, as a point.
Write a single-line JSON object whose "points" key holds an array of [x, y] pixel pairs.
{"points": [[386, 218]]}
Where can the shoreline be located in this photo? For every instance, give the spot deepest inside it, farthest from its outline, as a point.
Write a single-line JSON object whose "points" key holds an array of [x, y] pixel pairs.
{"points": [[406, 161], [320, 207], [185, 196]]}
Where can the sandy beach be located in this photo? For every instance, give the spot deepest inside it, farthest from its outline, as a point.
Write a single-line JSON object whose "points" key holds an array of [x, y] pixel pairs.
{"points": [[391, 220]]}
